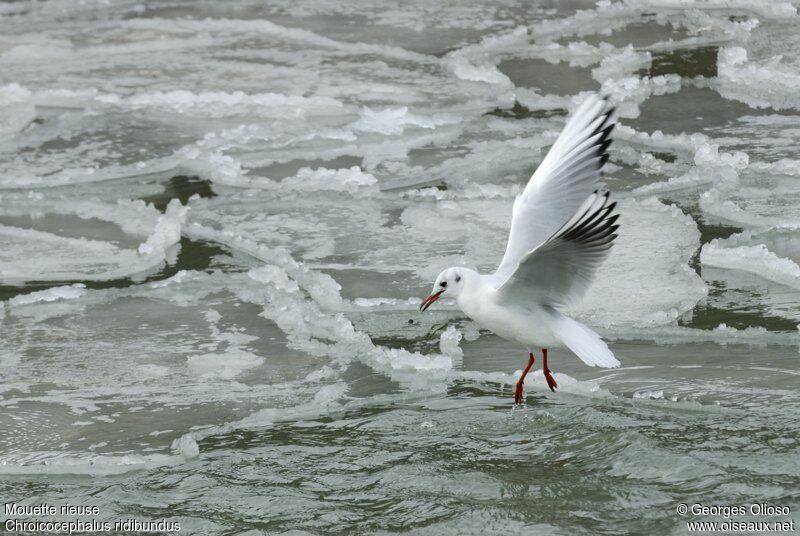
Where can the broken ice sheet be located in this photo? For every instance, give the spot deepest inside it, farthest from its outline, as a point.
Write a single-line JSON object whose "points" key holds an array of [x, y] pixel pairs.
{"points": [[376, 238], [345, 153], [136, 239], [188, 353]]}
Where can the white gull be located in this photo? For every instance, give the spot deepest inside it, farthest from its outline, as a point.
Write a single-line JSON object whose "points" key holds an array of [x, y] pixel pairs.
{"points": [[562, 228]]}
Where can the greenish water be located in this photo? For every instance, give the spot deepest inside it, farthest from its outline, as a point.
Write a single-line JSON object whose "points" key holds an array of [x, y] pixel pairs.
{"points": [[217, 220]]}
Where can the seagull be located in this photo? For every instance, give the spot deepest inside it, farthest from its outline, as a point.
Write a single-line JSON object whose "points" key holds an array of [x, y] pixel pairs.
{"points": [[562, 229]]}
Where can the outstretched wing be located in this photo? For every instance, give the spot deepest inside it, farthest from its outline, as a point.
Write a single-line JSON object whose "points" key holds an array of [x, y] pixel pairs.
{"points": [[566, 177], [559, 271]]}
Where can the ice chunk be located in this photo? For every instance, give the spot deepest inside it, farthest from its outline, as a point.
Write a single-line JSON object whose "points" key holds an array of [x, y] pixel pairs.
{"points": [[218, 104], [784, 166], [391, 121], [133, 217], [621, 64], [186, 446], [204, 104], [347, 180], [652, 395], [37, 256], [712, 204], [83, 463], [45, 49], [722, 334], [261, 27], [650, 262], [321, 287], [167, 231], [760, 85], [448, 342], [630, 92], [65, 98], [16, 109], [710, 164], [227, 364], [213, 165], [52, 294], [754, 259], [274, 276], [753, 207], [330, 394], [467, 70], [377, 302], [32, 255]]}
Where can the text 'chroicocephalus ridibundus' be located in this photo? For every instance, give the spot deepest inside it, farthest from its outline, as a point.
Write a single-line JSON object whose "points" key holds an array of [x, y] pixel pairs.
{"points": [[562, 228]]}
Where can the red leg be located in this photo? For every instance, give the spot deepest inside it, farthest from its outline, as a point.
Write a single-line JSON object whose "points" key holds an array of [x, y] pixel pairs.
{"points": [[518, 390], [551, 382]]}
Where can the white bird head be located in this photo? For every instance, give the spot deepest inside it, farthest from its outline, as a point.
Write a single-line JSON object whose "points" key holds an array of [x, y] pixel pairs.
{"points": [[452, 282]]}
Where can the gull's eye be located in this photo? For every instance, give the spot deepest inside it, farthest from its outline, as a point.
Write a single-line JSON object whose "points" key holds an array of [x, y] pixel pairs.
{"points": [[443, 284]]}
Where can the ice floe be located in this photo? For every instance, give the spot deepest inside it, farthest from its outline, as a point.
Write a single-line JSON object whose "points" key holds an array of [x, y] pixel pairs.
{"points": [[341, 171], [89, 464], [755, 259], [38, 255], [49, 295], [759, 84], [16, 109]]}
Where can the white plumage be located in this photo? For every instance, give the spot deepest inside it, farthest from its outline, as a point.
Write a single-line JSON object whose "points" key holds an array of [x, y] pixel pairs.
{"points": [[562, 228]]}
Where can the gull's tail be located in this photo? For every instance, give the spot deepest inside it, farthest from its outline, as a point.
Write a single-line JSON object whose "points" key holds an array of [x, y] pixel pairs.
{"points": [[583, 342]]}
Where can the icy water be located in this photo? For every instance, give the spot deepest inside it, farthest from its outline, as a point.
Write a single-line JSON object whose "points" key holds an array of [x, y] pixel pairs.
{"points": [[217, 221]]}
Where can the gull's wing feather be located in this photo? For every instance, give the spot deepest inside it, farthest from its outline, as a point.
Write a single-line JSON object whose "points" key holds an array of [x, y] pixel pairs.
{"points": [[559, 271], [562, 182], [583, 342]]}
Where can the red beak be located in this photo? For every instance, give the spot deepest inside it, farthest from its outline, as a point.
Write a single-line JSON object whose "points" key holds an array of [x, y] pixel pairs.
{"points": [[429, 300]]}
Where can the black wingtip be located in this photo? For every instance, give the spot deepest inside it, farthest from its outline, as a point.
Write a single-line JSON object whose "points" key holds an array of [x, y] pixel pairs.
{"points": [[604, 128]]}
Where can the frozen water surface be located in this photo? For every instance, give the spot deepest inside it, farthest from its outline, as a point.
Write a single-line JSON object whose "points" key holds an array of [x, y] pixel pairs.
{"points": [[217, 221]]}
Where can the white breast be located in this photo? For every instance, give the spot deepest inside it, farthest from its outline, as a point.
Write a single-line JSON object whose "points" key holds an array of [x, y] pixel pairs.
{"points": [[528, 326]]}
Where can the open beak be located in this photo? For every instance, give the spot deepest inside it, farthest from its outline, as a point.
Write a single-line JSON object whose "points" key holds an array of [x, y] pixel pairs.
{"points": [[430, 299]]}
